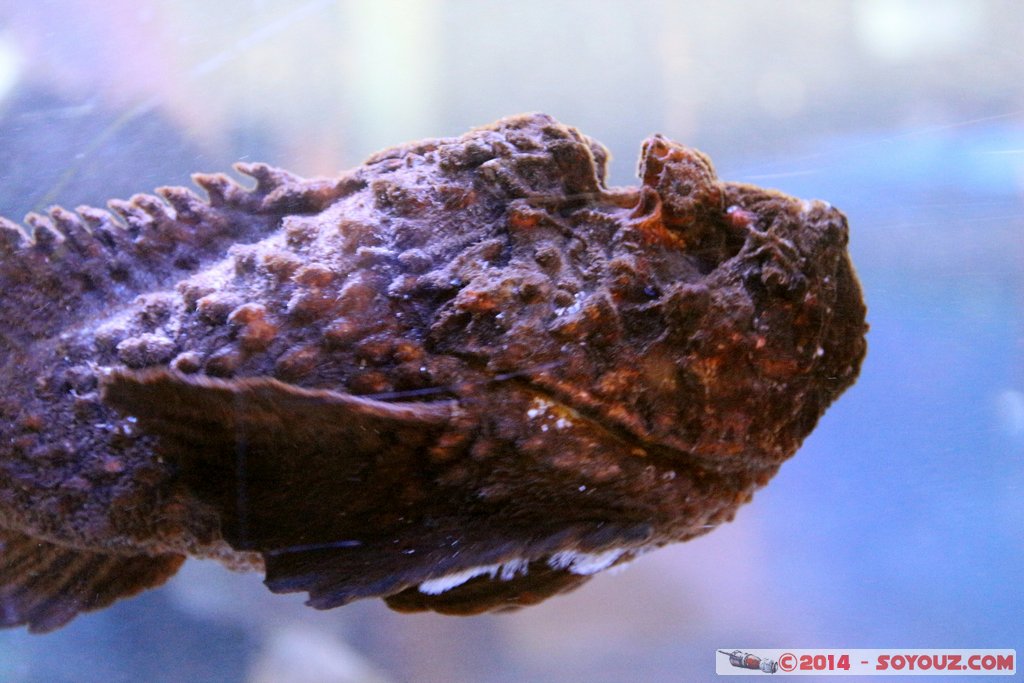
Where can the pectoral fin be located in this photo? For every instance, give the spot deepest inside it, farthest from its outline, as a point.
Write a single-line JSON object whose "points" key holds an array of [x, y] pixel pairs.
{"points": [[284, 466], [466, 566], [44, 585]]}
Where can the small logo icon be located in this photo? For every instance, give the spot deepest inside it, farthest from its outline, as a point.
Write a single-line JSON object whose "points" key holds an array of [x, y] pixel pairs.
{"points": [[745, 660]]}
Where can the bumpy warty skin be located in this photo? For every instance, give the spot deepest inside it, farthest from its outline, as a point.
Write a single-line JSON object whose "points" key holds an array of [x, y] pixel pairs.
{"points": [[463, 376]]}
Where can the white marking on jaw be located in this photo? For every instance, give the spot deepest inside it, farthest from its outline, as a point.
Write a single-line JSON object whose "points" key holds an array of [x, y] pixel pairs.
{"points": [[506, 571], [582, 564], [634, 553], [449, 581], [585, 564]]}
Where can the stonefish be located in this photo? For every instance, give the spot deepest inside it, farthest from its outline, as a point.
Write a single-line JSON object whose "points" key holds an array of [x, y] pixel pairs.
{"points": [[464, 376]]}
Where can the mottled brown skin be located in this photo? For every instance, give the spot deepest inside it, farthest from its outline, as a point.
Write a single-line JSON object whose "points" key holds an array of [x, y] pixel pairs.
{"points": [[466, 358]]}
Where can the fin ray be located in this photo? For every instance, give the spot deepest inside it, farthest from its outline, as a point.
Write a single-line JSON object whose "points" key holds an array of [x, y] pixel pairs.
{"points": [[44, 585]]}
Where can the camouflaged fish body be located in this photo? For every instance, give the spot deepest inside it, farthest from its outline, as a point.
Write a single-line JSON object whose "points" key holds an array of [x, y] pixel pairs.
{"points": [[464, 376]]}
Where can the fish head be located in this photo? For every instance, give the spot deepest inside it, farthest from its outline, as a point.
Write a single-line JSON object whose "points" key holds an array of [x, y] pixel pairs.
{"points": [[720, 319]]}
